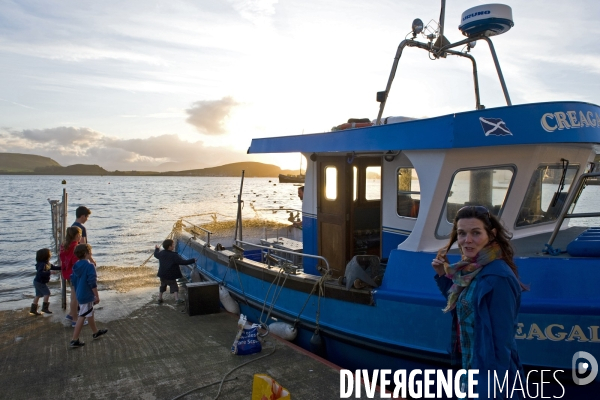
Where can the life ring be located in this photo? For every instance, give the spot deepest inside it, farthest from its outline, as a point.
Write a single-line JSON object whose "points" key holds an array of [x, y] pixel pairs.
{"points": [[352, 125]]}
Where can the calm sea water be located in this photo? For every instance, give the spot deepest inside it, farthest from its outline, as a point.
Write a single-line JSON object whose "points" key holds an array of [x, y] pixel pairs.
{"points": [[129, 215]]}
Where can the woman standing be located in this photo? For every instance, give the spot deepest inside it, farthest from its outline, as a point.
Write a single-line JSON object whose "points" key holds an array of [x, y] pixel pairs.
{"points": [[484, 294]]}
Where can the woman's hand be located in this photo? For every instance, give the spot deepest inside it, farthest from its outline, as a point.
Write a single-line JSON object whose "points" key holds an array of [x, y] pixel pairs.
{"points": [[438, 262], [438, 266]]}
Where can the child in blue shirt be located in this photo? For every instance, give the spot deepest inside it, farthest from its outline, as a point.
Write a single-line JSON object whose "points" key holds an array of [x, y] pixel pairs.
{"points": [[84, 281], [40, 282]]}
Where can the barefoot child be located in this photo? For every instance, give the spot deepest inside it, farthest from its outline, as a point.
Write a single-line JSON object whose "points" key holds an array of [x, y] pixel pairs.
{"points": [[42, 277], [84, 281]]}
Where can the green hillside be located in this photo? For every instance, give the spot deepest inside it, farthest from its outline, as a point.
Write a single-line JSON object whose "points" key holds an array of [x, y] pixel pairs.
{"points": [[15, 162]]}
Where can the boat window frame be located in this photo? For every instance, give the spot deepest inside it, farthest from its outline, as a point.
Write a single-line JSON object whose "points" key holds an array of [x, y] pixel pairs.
{"points": [[442, 213], [325, 181], [380, 183], [575, 166], [411, 192]]}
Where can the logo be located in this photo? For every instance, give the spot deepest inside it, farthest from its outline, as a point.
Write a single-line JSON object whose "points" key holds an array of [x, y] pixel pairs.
{"points": [[494, 127], [475, 14], [582, 367]]}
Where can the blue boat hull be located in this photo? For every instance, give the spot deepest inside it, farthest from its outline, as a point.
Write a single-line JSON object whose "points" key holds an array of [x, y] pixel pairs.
{"points": [[399, 329]]}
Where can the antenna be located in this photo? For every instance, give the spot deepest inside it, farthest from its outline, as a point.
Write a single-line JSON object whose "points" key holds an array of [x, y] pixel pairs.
{"points": [[442, 16], [477, 23]]}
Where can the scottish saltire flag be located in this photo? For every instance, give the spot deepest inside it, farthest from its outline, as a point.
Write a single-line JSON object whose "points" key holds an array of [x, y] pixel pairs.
{"points": [[494, 126]]}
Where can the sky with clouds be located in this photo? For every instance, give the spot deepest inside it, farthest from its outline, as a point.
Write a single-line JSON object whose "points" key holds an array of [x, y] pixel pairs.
{"points": [[136, 84]]}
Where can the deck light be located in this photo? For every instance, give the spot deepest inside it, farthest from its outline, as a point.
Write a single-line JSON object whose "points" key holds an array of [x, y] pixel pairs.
{"points": [[417, 27], [389, 156], [313, 157]]}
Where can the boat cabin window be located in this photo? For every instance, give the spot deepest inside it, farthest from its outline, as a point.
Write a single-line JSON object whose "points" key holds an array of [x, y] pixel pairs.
{"points": [[373, 183], [546, 194], [486, 187], [331, 175], [409, 193]]}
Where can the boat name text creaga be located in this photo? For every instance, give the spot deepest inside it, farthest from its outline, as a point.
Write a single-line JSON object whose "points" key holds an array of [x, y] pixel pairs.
{"points": [[571, 119], [557, 333]]}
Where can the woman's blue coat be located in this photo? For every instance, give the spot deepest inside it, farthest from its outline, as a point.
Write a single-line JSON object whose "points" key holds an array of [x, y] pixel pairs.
{"points": [[497, 299]]}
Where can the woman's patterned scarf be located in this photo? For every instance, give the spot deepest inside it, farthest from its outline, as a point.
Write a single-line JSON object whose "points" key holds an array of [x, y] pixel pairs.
{"points": [[464, 271]]}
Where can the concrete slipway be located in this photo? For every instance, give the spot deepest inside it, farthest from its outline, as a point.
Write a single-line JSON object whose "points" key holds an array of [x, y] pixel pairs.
{"points": [[151, 352]]}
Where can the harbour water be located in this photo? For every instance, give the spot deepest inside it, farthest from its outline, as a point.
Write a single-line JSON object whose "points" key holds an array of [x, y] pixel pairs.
{"points": [[132, 214], [129, 216]]}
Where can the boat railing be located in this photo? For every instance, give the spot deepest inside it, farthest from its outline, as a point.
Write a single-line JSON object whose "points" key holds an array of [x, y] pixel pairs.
{"points": [[564, 213], [208, 233], [288, 252], [276, 209]]}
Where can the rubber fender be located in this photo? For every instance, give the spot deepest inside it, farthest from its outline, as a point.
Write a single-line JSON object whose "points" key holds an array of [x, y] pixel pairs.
{"points": [[283, 330], [228, 302]]}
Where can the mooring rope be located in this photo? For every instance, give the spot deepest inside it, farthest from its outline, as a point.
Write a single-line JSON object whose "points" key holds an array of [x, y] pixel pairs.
{"points": [[321, 285], [224, 376], [243, 291], [176, 226], [275, 297]]}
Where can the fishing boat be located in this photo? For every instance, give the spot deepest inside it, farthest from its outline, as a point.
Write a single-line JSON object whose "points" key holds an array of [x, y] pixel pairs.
{"points": [[288, 178], [358, 285]]}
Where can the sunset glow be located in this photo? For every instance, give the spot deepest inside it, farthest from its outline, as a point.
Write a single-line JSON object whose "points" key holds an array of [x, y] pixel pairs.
{"points": [[133, 85]]}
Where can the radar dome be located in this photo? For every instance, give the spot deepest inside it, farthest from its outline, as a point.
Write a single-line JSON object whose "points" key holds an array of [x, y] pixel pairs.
{"points": [[487, 20]]}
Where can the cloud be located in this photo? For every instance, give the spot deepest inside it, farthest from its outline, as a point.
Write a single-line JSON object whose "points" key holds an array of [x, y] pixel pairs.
{"points": [[61, 136], [73, 145], [259, 12], [209, 116]]}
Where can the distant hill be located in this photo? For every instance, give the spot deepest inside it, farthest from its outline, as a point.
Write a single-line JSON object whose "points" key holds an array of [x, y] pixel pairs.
{"points": [[75, 169], [16, 162], [172, 166], [29, 164], [252, 169]]}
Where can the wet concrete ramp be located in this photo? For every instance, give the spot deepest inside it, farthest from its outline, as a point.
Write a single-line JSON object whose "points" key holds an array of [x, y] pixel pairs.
{"points": [[155, 352]]}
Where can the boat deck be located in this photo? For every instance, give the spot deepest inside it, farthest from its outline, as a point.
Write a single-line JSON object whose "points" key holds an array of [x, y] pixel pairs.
{"points": [[155, 352], [533, 246]]}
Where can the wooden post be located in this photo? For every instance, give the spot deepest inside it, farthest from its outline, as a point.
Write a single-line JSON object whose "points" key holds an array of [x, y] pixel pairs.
{"points": [[63, 232], [238, 221]]}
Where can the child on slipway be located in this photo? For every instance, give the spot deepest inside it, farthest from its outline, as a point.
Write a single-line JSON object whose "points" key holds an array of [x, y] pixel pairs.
{"points": [[40, 282], [67, 261], [84, 281], [168, 269]]}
